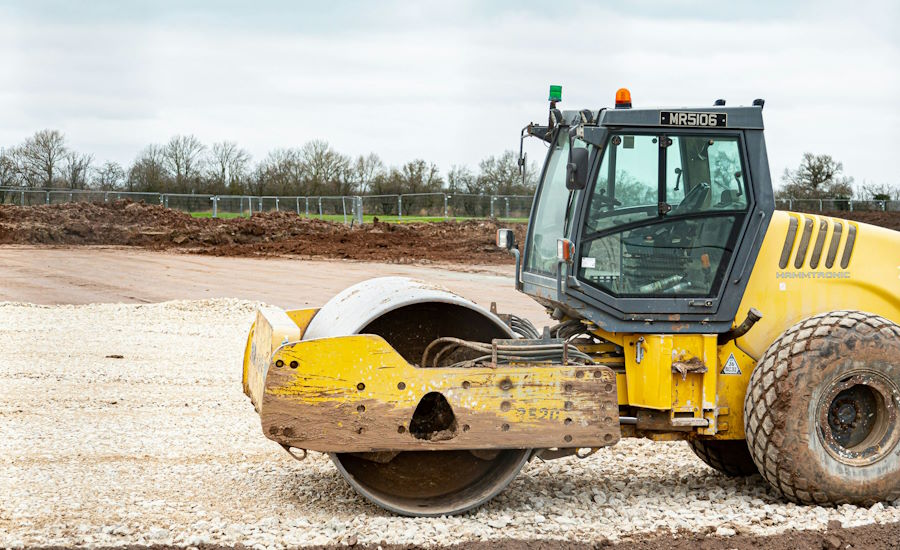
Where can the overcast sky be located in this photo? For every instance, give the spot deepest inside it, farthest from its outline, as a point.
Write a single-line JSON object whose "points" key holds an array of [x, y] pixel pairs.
{"points": [[450, 82]]}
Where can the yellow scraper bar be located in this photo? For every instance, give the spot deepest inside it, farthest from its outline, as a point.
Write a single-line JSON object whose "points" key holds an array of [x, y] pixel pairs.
{"points": [[357, 394]]}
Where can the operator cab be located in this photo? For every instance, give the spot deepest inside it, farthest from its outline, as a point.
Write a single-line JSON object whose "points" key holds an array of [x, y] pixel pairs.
{"points": [[646, 218]]}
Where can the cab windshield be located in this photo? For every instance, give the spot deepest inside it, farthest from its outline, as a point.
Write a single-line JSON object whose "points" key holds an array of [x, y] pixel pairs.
{"points": [[554, 207]]}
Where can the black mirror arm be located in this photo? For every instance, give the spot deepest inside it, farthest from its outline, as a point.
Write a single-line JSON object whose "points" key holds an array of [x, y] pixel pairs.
{"points": [[525, 131], [519, 284]]}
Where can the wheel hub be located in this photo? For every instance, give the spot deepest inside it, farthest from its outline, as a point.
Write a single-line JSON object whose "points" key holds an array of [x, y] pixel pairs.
{"points": [[858, 417]]}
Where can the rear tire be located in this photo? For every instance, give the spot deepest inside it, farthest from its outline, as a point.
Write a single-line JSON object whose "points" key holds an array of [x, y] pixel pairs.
{"points": [[822, 411], [729, 456]]}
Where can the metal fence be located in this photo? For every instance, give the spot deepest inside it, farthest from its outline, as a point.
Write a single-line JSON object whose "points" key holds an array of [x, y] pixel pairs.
{"points": [[356, 207], [348, 208], [836, 205]]}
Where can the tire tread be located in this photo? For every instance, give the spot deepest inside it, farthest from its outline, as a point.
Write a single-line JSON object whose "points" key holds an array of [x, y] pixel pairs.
{"points": [[764, 440]]}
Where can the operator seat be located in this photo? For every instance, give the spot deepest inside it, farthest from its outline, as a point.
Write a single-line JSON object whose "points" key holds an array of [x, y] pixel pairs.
{"points": [[726, 199]]}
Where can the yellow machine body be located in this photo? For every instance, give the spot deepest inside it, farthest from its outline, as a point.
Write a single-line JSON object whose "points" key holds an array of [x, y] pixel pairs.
{"points": [[684, 385], [806, 285]]}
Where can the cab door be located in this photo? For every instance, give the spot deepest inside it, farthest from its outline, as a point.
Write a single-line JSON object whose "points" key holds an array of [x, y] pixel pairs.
{"points": [[661, 223]]}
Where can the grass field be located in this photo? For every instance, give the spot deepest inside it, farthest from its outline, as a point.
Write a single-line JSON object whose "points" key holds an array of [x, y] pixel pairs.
{"points": [[366, 218]]}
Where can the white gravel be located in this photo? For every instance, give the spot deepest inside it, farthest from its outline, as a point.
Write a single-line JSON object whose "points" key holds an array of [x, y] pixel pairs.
{"points": [[162, 447]]}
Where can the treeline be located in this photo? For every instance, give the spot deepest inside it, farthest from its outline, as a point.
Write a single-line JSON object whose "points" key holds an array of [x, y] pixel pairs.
{"points": [[186, 165], [822, 177]]}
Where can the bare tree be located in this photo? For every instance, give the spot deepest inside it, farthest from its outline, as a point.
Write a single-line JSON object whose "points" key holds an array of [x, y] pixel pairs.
{"points": [[817, 177], [11, 173], [227, 167], [419, 176], [282, 172], [460, 179], [365, 170], [109, 177], [325, 169], [76, 170], [42, 154], [149, 172], [879, 192], [184, 158], [501, 175]]}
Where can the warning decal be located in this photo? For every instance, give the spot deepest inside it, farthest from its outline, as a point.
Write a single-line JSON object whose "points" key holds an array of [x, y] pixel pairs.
{"points": [[731, 366]]}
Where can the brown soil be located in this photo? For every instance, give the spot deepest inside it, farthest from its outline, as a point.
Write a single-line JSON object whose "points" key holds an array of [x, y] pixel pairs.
{"points": [[868, 537], [274, 233], [268, 234]]}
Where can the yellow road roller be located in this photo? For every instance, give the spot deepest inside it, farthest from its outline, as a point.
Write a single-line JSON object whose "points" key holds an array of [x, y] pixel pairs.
{"points": [[682, 306]]}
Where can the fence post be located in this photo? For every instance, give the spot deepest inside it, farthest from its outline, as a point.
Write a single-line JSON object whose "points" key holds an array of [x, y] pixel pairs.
{"points": [[446, 210], [492, 206], [359, 210], [260, 209], [307, 206], [298, 206], [215, 201], [851, 205], [883, 206], [23, 196], [320, 208], [48, 198], [106, 197], [344, 208], [400, 206], [507, 206], [276, 204], [820, 205]]}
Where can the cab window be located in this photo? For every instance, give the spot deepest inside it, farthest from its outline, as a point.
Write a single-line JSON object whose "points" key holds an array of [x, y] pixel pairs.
{"points": [[626, 188], [704, 173], [554, 210], [652, 232]]}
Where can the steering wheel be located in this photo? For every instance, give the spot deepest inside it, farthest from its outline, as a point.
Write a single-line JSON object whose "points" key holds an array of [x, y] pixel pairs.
{"points": [[694, 199]]}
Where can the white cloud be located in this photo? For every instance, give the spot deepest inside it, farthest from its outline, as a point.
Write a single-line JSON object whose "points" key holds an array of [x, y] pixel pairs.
{"points": [[449, 82]]}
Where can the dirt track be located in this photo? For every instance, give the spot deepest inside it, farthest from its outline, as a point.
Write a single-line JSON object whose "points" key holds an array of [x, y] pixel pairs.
{"points": [[92, 274]]}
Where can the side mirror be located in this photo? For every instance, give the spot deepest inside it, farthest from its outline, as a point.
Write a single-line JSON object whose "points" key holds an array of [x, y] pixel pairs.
{"points": [[506, 238], [577, 169]]}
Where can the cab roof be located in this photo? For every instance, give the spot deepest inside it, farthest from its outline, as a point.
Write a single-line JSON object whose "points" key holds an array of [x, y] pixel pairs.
{"points": [[711, 117]]}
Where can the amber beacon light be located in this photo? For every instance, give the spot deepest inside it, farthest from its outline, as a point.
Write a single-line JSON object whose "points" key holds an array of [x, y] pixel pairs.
{"points": [[623, 99]]}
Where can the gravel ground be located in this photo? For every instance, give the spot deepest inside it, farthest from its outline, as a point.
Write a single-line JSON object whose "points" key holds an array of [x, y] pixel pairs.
{"points": [[161, 447]]}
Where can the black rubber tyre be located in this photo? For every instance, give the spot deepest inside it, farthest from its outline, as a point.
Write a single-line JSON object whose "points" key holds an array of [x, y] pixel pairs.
{"points": [[731, 457], [822, 411]]}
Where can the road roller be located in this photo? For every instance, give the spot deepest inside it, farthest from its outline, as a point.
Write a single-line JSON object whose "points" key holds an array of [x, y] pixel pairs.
{"points": [[681, 306]]}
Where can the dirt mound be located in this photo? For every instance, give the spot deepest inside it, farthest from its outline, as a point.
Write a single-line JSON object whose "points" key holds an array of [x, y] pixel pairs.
{"points": [[273, 233], [891, 220]]}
